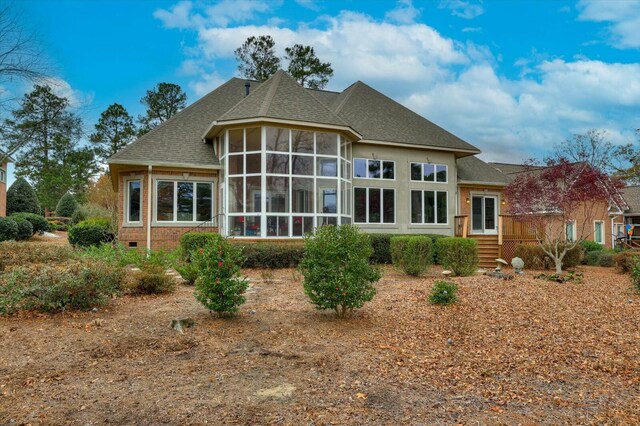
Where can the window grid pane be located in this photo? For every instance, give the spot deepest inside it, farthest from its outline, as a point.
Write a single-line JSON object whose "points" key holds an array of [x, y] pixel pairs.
{"points": [[164, 204], [134, 201]]}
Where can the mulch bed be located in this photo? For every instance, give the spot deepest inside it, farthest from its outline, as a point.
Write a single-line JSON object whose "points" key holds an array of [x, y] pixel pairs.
{"points": [[524, 351]]}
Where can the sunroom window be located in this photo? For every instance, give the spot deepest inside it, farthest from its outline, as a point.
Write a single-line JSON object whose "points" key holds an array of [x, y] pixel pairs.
{"points": [[181, 201]]}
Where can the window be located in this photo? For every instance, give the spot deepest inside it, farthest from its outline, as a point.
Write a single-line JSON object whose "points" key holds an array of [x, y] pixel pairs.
{"points": [[374, 205], [425, 172], [598, 235], [3, 176], [429, 207], [178, 201], [374, 169], [571, 230], [134, 198]]}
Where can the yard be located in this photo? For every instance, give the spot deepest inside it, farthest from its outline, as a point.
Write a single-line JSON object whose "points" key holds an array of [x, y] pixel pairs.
{"points": [[515, 352]]}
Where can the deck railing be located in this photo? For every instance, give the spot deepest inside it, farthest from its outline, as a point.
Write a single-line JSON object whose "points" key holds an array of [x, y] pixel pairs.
{"points": [[461, 226]]}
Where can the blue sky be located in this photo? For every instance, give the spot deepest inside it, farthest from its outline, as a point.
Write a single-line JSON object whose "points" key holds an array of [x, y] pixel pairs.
{"points": [[511, 77]]}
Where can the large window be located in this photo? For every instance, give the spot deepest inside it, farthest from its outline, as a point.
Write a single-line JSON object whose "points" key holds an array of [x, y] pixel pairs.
{"points": [[374, 169], [429, 207], [374, 205], [134, 200], [182, 201], [426, 172], [3, 176], [598, 231], [285, 182]]}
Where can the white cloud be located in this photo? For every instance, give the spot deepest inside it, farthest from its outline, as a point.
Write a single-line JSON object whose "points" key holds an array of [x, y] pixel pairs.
{"points": [[463, 9], [187, 15], [404, 13], [77, 99], [472, 29], [623, 17], [453, 83]]}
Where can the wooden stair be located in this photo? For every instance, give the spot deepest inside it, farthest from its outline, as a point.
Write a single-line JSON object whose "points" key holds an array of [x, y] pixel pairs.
{"points": [[488, 249]]}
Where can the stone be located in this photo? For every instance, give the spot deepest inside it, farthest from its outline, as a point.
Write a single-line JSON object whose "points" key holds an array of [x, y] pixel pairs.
{"points": [[518, 265], [499, 274], [446, 273], [94, 310], [449, 341], [502, 262], [179, 324], [282, 391], [252, 311]]}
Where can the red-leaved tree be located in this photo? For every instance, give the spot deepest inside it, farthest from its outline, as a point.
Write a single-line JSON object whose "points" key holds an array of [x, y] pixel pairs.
{"points": [[552, 196]]}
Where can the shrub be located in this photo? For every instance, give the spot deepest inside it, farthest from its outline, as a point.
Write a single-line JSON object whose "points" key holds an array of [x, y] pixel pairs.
{"points": [[21, 198], [39, 223], [592, 258], [192, 241], [272, 255], [75, 285], [90, 211], [606, 260], [152, 280], [20, 254], [188, 272], [91, 232], [25, 229], [535, 258], [460, 255], [381, 244], [336, 269], [635, 276], [66, 206], [413, 255], [219, 286], [8, 229], [590, 246], [626, 260], [443, 293]]}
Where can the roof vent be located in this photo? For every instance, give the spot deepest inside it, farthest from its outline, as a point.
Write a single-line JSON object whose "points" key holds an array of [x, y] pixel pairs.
{"points": [[247, 88]]}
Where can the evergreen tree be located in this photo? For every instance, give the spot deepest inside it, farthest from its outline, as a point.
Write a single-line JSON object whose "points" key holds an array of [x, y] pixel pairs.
{"points": [[305, 67], [114, 130], [21, 198], [257, 58], [67, 206], [162, 102]]}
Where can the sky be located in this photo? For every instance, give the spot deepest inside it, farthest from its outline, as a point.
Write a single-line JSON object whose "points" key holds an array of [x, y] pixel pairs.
{"points": [[513, 78]]}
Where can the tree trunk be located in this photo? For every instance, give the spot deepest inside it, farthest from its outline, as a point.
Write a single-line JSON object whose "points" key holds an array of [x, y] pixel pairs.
{"points": [[558, 265]]}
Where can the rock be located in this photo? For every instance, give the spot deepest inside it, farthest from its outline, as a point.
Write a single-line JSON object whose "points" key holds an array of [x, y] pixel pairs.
{"points": [[179, 324], [449, 341], [502, 262], [282, 391], [518, 265], [499, 274], [446, 273], [94, 310], [252, 312]]}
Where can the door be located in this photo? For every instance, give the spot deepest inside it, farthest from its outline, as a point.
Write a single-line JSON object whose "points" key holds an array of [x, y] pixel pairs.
{"points": [[484, 214]]}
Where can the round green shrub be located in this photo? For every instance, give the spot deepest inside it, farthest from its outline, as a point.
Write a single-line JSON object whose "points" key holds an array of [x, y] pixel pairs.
{"points": [[460, 255], [606, 260], [91, 232], [219, 286], [413, 255], [21, 198], [39, 223], [192, 241], [152, 280], [8, 229], [590, 246], [67, 206], [443, 293], [336, 269], [25, 229]]}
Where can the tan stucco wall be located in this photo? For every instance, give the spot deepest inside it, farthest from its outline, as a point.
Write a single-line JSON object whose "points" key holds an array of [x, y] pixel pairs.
{"points": [[403, 186]]}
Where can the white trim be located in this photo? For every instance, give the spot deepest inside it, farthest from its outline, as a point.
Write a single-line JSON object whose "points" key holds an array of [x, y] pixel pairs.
{"points": [[435, 172], [175, 179], [408, 145], [484, 231], [166, 164], [367, 160], [280, 121], [367, 189], [126, 181], [601, 222], [435, 210], [574, 233]]}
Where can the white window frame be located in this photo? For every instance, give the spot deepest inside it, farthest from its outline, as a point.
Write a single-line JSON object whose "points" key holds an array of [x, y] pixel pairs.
{"points": [[127, 200], [435, 172], [175, 180], [367, 222], [437, 208], [574, 233], [3, 176], [353, 163], [602, 237]]}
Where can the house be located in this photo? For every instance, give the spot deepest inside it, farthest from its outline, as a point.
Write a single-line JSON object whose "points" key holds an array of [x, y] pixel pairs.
{"points": [[273, 160], [4, 162]]}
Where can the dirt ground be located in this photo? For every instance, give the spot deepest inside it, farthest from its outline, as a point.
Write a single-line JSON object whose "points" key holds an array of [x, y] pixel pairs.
{"points": [[521, 352]]}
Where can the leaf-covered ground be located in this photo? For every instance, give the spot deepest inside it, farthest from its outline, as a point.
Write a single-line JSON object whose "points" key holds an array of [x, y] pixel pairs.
{"points": [[521, 352]]}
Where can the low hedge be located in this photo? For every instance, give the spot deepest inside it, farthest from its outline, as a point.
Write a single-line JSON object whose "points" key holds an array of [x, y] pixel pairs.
{"points": [[92, 232], [590, 246], [25, 229], [19, 254], [195, 240], [535, 258], [626, 260], [460, 255], [599, 258], [272, 255], [8, 229], [39, 223], [381, 244], [413, 254]]}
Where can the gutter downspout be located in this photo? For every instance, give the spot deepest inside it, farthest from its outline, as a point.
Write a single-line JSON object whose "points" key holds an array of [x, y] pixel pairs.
{"points": [[149, 186]]}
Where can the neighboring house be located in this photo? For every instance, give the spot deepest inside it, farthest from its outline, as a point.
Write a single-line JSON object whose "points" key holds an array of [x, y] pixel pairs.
{"points": [[3, 182], [631, 195], [607, 218], [275, 160]]}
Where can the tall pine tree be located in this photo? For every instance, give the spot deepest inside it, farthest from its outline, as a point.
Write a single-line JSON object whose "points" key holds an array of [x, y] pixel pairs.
{"points": [[114, 130]]}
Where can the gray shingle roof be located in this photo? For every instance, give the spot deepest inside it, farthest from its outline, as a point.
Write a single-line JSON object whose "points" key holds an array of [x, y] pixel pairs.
{"points": [[378, 117], [179, 139], [631, 195], [473, 169], [282, 97], [509, 168]]}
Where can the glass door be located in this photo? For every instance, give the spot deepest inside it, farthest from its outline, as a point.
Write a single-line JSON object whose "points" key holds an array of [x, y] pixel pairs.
{"points": [[484, 214]]}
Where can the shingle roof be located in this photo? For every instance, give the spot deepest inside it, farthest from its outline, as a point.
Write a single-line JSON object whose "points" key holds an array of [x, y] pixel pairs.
{"points": [[509, 168], [631, 195], [282, 97], [473, 169], [179, 139], [380, 118]]}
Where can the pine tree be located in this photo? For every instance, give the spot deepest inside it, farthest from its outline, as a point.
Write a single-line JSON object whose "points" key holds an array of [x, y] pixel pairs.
{"points": [[21, 198]]}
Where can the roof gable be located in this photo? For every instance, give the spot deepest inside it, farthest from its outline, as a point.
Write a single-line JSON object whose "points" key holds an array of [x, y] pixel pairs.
{"points": [[473, 169]]}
